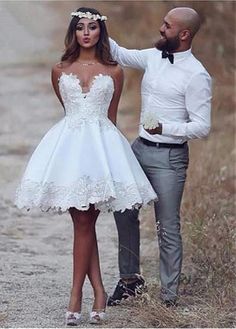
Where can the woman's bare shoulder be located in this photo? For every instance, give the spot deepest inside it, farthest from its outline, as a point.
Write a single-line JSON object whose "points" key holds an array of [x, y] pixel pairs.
{"points": [[59, 67], [116, 71]]}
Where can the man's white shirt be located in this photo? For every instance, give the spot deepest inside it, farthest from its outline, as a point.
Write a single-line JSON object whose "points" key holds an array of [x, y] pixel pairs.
{"points": [[179, 93]]}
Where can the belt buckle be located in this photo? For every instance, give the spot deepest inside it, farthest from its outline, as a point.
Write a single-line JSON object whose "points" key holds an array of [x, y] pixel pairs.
{"points": [[157, 145]]}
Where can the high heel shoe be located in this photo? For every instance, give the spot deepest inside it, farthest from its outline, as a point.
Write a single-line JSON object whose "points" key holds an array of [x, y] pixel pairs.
{"points": [[73, 318], [99, 316]]}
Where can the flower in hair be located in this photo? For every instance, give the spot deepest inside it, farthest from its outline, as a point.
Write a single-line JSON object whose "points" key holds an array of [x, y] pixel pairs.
{"points": [[88, 15]]}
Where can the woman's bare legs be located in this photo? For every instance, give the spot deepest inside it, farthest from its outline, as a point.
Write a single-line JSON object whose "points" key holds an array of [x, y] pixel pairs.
{"points": [[94, 274], [83, 251], [86, 259]]}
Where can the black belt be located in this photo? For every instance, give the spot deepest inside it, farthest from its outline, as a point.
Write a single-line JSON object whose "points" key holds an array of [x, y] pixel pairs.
{"points": [[149, 143]]}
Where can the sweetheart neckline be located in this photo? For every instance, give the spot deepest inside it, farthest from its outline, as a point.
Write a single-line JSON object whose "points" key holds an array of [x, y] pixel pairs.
{"points": [[75, 76]]}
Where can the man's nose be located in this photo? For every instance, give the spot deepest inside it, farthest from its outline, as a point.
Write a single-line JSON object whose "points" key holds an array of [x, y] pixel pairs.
{"points": [[162, 28]]}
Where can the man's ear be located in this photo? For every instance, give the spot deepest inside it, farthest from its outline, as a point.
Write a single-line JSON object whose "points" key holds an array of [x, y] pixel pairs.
{"points": [[184, 35]]}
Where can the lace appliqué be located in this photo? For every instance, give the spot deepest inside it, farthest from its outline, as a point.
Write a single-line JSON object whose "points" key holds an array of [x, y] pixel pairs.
{"points": [[106, 194], [90, 111], [76, 121], [91, 107]]}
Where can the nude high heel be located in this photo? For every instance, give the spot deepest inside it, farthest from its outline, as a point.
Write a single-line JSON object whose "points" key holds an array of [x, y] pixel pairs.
{"points": [[73, 318], [99, 316]]}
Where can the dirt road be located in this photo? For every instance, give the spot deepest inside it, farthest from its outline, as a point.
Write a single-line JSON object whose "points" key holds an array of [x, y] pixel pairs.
{"points": [[36, 248]]}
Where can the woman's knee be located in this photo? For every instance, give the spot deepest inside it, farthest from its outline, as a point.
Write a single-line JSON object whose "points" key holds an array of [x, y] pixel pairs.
{"points": [[83, 220]]}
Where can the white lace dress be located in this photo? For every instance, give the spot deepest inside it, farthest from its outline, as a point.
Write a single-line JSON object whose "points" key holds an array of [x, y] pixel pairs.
{"points": [[84, 159]]}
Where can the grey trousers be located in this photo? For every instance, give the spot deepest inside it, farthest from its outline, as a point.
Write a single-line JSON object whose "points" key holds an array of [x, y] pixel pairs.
{"points": [[166, 171]]}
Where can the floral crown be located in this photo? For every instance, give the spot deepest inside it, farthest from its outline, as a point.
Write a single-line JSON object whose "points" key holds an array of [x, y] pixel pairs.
{"points": [[88, 15]]}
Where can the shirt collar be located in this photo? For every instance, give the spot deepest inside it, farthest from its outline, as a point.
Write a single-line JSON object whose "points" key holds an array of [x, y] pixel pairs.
{"points": [[182, 55]]}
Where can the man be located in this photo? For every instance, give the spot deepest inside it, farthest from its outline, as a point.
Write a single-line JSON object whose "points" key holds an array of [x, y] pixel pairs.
{"points": [[177, 88]]}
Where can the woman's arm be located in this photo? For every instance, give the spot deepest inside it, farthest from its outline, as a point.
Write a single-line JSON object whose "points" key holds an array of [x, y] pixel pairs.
{"points": [[55, 75], [118, 78]]}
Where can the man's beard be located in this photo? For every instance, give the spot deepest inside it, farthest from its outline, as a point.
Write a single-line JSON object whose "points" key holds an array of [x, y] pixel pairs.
{"points": [[169, 45]]}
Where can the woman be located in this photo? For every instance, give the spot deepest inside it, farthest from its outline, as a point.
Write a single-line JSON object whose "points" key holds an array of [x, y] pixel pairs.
{"points": [[84, 164]]}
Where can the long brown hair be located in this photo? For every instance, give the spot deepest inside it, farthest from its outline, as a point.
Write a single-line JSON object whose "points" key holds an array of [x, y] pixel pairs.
{"points": [[72, 47]]}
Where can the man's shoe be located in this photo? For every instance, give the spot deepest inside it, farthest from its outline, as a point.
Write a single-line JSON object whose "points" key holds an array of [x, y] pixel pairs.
{"points": [[125, 290]]}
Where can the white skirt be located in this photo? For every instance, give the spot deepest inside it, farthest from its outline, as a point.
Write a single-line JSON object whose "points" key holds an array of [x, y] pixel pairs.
{"points": [[93, 164]]}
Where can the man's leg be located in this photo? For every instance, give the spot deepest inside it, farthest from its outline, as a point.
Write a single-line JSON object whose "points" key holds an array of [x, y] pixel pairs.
{"points": [[170, 186], [127, 223], [131, 282], [170, 190], [166, 170]]}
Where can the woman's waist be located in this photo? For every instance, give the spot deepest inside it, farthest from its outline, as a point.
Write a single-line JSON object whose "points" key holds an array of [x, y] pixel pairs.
{"points": [[86, 115], [76, 121]]}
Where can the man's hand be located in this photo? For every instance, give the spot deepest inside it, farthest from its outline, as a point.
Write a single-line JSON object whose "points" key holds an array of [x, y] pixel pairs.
{"points": [[155, 131]]}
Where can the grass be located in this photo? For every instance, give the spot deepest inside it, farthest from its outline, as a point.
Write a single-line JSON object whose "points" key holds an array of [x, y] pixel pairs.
{"points": [[207, 290], [208, 285]]}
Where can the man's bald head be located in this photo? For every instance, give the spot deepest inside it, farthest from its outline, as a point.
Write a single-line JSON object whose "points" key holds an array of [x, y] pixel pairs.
{"points": [[187, 18], [178, 29]]}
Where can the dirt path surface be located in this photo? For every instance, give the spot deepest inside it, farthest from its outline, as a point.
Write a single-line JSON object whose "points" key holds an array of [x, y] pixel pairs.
{"points": [[36, 248]]}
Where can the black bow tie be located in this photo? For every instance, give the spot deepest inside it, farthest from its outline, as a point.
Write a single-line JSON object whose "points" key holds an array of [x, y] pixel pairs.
{"points": [[165, 54]]}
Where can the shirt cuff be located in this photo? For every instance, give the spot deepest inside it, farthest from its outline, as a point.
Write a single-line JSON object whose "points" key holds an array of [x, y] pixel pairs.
{"points": [[166, 129]]}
